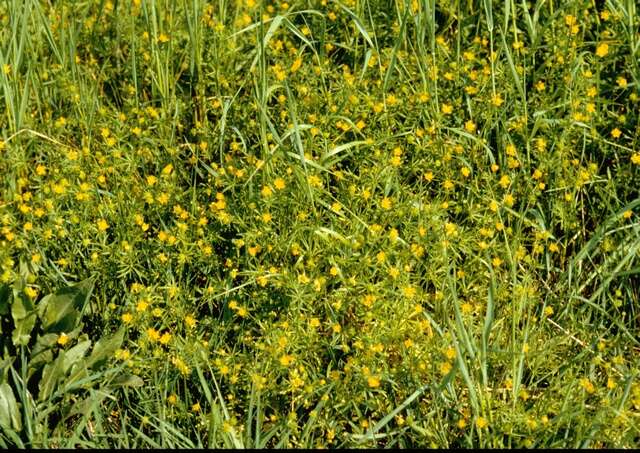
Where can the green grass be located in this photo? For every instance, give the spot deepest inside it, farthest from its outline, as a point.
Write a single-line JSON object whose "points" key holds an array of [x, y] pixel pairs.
{"points": [[358, 223]]}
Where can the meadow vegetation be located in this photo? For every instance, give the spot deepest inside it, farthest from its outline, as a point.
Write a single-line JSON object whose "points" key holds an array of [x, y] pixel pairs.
{"points": [[319, 223]]}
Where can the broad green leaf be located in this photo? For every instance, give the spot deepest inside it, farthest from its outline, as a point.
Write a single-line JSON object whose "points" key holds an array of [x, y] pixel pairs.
{"points": [[22, 331], [5, 296], [4, 369], [85, 406], [41, 354], [74, 354], [43, 342], [78, 373], [127, 380], [21, 305], [9, 414], [104, 349], [36, 364], [61, 311], [50, 376]]}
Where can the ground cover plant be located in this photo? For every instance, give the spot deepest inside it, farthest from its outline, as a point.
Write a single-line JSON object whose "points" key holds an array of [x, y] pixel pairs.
{"points": [[319, 223]]}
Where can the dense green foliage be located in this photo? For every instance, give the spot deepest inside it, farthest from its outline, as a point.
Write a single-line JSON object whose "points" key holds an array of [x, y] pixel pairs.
{"points": [[320, 223]]}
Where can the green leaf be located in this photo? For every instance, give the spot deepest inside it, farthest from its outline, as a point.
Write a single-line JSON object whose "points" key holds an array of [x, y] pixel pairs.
{"points": [[104, 349], [22, 331], [61, 311], [127, 380], [23, 314], [9, 414], [42, 352], [5, 298], [43, 342], [86, 405], [22, 305], [50, 376], [74, 354], [4, 369]]}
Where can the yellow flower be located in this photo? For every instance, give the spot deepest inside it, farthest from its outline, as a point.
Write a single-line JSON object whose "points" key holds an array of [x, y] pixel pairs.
{"points": [[497, 100], [586, 384], [102, 225], [447, 109], [63, 339], [314, 181], [409, 291], [602, 50], [616, 133], [168, 169], [481, 422], [296, 64], [509, 200], [165, 338], [470, 126], [386, 203], [450, 353], [373, 382], [445, 368], [286, 360], [122, 354], [450, 229], [368, 300], [153, 334], [142, 306], [279, 183]]}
